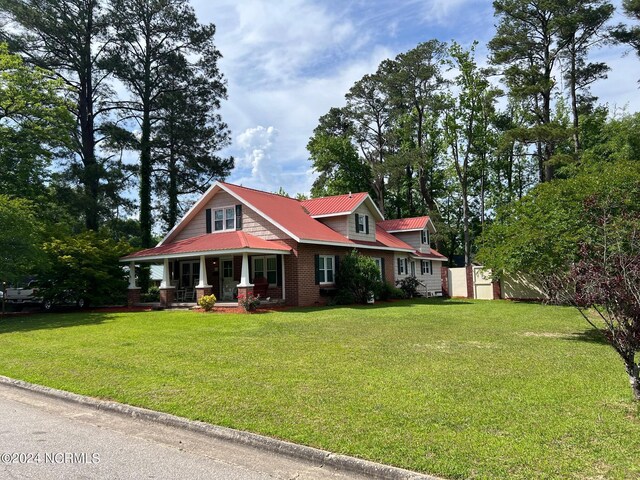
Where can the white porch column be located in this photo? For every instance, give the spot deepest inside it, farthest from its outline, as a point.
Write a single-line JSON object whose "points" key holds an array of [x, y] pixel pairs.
{"points": [[132, 276], [202, 283], [166, 278], [244, 274]]}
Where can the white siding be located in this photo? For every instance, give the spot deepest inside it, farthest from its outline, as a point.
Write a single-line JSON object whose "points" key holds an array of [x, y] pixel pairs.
{"points": [[414, 239], [351, 224], [251, 222]]}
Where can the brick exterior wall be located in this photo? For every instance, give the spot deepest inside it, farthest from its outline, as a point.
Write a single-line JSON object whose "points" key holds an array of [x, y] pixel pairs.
{"points": [[444, 275], [301, 288]]}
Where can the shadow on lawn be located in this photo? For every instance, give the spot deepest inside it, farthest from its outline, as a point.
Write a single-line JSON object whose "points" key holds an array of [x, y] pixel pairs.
{"points": [[49, 321], [384, 304], [590, 336]]}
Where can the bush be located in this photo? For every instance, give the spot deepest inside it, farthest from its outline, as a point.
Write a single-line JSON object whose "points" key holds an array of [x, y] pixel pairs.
{"points": [[358, 277], [409, 285], [249, 303], [152, 295], [84, 265], [207, 302], [343, 297], [389, 291]]}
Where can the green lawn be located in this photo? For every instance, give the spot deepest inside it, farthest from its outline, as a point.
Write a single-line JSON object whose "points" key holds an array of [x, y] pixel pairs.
{"points": [[459, 389]]}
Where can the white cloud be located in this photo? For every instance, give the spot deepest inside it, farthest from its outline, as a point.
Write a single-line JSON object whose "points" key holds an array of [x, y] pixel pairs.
{"points": [[257, 143]]}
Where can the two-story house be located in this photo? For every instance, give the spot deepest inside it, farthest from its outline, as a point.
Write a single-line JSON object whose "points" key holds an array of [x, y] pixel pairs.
{"points": [[236, 237]]}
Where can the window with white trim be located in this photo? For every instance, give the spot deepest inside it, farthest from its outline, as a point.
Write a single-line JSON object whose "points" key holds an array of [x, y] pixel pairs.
{"points": [[424, 237], [326, 269], [413, 268], [266, 267], [224, 219], [361, 223], [378, 262], [402, 266], [425, 267]]}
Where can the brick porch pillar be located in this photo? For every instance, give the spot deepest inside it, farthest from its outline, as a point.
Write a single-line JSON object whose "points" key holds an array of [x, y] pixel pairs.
{"points": [[167, 296], [133, 296], [470, 285], [444, 277], [203, 291], [497, 290], [244, 291]]}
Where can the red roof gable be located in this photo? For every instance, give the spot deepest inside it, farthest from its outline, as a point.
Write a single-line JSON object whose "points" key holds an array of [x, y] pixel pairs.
{"points": [[400, 224], [288, 213], [211, 242], [333, 205]]}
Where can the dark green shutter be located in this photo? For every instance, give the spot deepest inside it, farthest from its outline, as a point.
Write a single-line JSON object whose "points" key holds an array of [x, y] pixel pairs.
{"points": [[279, 270], [336, 268], [366, 224], [399, 266], [208, 220], [238, 217], [431, 267], [357, 223], [251, 269], [317, 262], [384, 278]]}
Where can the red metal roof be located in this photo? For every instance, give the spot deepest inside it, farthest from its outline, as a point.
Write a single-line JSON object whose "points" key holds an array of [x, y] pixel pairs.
{"points": [[333, 205], [433, 255], [211, 242], [415, 223], [289, 213], [389, 240]]}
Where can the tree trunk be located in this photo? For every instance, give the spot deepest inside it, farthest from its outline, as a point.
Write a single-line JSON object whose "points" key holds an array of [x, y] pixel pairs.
{"points": [[633, 370], [574, 102], [90, 178], [465, 227]]}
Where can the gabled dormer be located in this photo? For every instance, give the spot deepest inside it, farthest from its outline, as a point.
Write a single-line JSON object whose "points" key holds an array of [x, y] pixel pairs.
{"points": [[416, 231], [353, 215]]}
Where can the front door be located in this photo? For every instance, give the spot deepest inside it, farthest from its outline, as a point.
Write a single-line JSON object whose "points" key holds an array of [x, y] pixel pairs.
{"points": [[226, 278]]}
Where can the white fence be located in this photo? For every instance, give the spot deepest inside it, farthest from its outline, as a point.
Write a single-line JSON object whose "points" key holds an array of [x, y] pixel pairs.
{"points": [[512, 286]]}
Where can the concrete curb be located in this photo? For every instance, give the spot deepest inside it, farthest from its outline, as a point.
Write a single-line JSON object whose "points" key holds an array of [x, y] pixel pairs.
{"points": [[300, 452]]}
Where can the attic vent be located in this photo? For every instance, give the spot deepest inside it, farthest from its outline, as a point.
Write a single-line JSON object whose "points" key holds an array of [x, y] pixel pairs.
{"points": [[350, 196]]}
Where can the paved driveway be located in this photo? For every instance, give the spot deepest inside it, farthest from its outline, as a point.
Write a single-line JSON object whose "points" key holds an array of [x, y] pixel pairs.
{"points": [[44, 438]]}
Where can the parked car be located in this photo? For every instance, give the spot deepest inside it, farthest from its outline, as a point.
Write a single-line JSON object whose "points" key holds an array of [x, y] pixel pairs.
{"points": [[30, 295]]}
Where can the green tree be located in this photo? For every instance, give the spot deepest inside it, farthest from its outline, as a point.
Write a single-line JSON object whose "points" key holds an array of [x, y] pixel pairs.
{"points": [[540, 235], [20, 237], [335, 157], [527, 46], [87, 265], [153, 37], [582, 26], [187, 136], [629, 34], [466, 130], [35, 126], [68, 38]]}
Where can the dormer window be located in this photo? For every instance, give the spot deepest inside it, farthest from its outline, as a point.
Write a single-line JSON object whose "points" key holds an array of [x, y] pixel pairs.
{"points": [[362, 223], [223, 219], [425, 237]]}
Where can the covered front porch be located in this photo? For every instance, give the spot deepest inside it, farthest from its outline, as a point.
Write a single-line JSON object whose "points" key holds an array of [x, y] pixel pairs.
{"points": [[227, 273]]}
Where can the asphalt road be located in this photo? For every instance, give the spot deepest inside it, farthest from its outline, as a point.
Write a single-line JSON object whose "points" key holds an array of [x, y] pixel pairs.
{"points": [[44, 438]]}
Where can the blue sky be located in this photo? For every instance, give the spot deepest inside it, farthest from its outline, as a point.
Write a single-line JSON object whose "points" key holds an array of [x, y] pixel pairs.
{"points": [[288, 62]]}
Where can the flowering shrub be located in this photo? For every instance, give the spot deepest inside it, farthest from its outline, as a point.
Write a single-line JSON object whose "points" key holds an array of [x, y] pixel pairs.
{"points": [[249, 302], [207, 302]]}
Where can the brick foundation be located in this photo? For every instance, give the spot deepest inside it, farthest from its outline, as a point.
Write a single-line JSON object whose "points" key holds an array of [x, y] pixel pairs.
{"points": [[201, 292], [167, 296], [470, 289], [444, 277], [133, 296]]}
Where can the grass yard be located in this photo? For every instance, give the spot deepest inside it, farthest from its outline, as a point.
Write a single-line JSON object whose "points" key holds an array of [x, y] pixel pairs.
{"points": [[456, 388]]}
